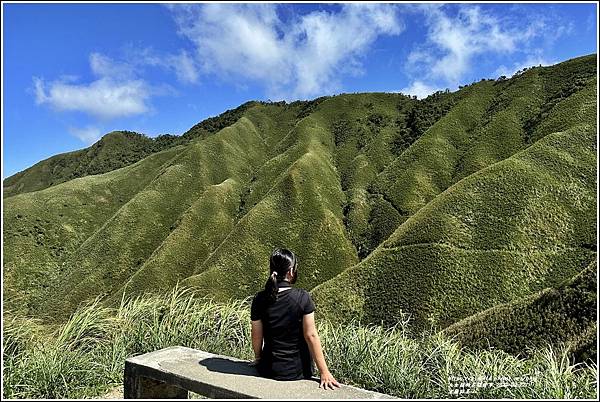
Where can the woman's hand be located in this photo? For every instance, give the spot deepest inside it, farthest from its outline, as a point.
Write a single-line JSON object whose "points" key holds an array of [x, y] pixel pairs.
{"points": [[255, 362], [328, 382]]}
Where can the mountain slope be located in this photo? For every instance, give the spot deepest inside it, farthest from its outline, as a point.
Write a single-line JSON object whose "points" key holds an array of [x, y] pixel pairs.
{"points": [[113, 151], [554, 315], [519, 226], [126, 240], [43, 228], [440, 208]]}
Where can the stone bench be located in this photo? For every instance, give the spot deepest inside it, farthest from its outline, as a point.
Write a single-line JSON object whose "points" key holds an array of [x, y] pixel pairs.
{"points": [[172, 372]]}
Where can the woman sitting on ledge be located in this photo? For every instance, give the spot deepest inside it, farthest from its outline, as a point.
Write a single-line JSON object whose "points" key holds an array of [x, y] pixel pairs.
{"points": [[284, 318]]}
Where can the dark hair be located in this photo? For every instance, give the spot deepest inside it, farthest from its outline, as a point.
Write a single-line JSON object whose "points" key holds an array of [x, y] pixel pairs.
{"points": [[281, 262]]}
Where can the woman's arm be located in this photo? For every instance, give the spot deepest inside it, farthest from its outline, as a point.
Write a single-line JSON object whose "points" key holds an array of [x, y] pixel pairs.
{"points": [[314, 344], [257, 338]]}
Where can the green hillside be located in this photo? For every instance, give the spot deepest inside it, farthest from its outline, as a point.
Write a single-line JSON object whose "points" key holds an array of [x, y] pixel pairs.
{"points": [[472, 240], [439, 208], [511, 229], [113, 151], [554, 315]]}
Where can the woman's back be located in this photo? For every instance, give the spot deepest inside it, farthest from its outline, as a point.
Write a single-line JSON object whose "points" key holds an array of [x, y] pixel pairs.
{"points": [[285, 353]]}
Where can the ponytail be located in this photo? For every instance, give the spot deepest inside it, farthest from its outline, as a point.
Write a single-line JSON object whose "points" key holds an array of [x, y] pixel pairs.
{"points": [[282, 262], [272, 288]]}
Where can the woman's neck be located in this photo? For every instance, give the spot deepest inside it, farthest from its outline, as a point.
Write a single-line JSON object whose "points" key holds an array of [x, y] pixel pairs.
{"points": [[284, 285]]}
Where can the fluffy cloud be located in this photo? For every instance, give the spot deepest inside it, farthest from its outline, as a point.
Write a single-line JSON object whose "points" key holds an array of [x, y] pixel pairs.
{"points": [[103, 66], [302, 57], [88, 135], [103, 98], [419, 89], [454, 40], [181, 64], [461, 38], [115, 93], [184, 67]]}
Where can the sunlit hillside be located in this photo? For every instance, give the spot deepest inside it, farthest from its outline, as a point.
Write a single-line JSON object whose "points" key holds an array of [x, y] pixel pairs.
{"points": [[439, 209]]}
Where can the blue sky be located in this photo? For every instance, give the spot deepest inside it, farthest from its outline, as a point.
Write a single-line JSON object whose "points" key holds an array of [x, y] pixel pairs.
{"points": [[73, 72]]}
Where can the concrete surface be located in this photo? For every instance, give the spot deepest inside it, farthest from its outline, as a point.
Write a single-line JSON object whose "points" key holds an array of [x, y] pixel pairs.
{"points": [[171, 372]]}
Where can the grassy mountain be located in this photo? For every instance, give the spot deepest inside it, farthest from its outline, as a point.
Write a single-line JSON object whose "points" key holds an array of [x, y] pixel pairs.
{"points": [[113, 151], [554, 315], [440, 208], [471, 238]]}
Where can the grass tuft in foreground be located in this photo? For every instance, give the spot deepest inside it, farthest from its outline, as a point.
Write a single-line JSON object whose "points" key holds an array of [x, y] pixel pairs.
{"points": [[85, 356]]}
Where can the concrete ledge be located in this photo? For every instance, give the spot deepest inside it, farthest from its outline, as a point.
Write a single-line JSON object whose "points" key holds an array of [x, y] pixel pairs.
{"points": [[172, 372]]}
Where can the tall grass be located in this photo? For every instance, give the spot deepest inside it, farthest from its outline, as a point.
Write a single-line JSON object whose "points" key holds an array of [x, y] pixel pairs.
{"points": [[85, 356]]}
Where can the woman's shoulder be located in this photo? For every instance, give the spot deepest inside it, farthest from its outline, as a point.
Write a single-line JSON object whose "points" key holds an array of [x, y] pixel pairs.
{"points": [[259, 295], [259, 298], [304, 301], [302, 295], [299, 291]]}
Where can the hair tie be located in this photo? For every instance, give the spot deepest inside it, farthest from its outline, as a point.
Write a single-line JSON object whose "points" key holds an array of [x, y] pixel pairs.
{"points": [[274, 274]]}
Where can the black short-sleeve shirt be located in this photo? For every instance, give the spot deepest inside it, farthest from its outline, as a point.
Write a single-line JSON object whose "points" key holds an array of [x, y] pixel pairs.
{"points": [[285, 354]]}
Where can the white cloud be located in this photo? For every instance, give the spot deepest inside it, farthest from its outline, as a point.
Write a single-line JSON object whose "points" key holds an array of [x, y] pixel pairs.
{"points": [[301, 57], [88, 135], [115, 93], [419, 89], [103, 66], [181, 64], [184, 67], [104, 98], [455, 41]]}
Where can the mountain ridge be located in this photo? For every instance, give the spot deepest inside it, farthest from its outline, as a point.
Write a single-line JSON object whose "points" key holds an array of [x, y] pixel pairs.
{"points": [[438, 208]]}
